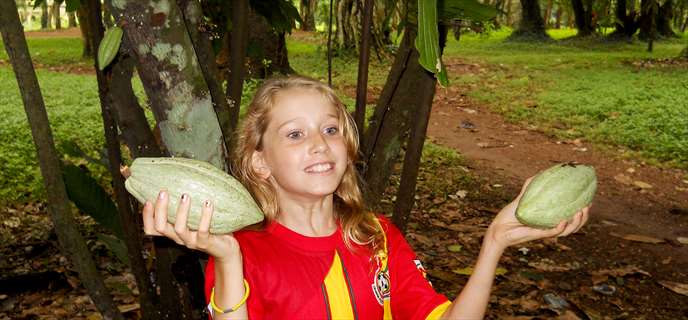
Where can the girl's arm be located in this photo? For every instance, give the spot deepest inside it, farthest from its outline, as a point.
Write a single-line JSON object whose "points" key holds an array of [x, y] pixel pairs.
{"points": [[504, 231], [229, 288]]}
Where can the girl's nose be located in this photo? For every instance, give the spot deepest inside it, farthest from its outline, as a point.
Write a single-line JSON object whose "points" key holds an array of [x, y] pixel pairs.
{"points": [[318, 144]]}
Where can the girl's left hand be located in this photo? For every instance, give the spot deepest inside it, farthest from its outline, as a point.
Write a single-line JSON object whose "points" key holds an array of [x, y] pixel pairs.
{"points": [[505, 230]]}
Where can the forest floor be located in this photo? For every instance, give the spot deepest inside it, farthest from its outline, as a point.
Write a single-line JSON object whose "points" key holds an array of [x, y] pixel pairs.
{"points": [[629, 262]]}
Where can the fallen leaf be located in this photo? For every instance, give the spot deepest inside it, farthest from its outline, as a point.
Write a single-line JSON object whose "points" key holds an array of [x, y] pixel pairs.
{"points": [[630, 170], [483, 144], [620, 272], [454, 248], [638, 238], [129, 307], [642, 185], [467, 271], [623, 178], [680, 288], [462, 193], [550, 266], [682, 240]]}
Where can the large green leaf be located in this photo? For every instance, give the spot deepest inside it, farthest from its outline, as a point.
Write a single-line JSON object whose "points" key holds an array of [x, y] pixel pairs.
{"points": [[465, 10], [92, 199], [280, 14], [73, 5], [428, 40], [115, 245]]}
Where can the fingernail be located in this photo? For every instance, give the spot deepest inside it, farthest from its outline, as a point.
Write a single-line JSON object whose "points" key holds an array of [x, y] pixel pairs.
{"points": [[185, 197], [207, 204], [162, 195]]}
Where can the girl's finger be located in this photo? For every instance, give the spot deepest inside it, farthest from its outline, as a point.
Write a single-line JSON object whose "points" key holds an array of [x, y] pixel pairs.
{"points": [[149, 220], [161, 212], [203, 233], [182, 216], [586, 216], [573, 225]]}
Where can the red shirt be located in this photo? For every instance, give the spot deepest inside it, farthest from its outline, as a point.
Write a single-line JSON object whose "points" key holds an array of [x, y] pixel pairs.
{"points": [[292, 276]]}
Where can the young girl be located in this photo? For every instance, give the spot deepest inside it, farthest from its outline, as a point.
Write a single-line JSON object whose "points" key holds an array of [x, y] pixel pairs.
{"points": [[320, 254]]}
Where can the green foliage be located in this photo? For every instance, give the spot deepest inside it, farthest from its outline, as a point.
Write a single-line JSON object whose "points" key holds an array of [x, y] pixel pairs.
{"points": [[472, 10], [428, 40], [281, 14], [91, 198]]}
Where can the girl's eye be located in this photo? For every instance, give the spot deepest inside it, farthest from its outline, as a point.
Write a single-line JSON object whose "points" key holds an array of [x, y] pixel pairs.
{"points": [[332, 130], [294, 135]]}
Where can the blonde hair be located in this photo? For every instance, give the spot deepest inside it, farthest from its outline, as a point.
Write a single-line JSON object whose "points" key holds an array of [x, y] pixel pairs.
{"points": [[359, 226]]}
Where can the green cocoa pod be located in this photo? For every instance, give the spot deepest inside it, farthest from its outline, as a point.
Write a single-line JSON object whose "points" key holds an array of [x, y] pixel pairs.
{"points": [[109, 46], [234, 208], [556, 194]]}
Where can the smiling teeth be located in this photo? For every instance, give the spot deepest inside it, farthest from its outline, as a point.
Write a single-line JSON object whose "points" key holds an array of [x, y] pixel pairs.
{"points": [[320, 168]]}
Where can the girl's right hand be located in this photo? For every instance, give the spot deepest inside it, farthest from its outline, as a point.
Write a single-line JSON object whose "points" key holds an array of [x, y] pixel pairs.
{"points": [[155, 223]]}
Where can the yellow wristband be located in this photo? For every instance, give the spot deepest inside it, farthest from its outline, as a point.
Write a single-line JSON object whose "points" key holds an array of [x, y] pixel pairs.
{"points": [[232, 309]]}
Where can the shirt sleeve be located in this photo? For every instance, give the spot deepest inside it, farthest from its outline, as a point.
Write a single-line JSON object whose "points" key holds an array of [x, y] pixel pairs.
{"points": [[412, 295]]}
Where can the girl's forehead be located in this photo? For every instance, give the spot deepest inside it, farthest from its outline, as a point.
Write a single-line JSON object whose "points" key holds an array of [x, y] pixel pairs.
{"points": [[302, 101]]}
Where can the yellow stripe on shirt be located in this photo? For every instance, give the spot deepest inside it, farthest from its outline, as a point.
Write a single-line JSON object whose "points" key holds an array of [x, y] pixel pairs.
{"points": [[337, 290]]}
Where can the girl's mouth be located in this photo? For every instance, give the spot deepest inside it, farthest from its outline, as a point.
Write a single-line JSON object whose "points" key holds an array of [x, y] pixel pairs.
{"points": [[320, 167]]}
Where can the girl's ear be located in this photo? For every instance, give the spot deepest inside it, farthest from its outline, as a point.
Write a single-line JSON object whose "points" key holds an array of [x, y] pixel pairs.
{"points": [[259, 165]]}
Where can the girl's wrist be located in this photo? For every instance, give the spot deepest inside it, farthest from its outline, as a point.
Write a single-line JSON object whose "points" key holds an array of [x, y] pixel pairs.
{"points": [[491, 243]]}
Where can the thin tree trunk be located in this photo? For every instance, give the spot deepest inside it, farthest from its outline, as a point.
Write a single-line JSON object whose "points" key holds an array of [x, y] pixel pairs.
{"points": [[86, 38], [362, 82], [665, 14], [414, 151], [71, 242], [408, 86], [329, 44], [239, 41], [548, 13], [72, 19], [56, 15], [130, 220], [272, 56], [509, 21], [45, 19], [557, 21]]}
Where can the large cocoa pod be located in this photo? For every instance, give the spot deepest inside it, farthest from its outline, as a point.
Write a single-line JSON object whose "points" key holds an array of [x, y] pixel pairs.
{"points": [[234, 208], [556, 194]]}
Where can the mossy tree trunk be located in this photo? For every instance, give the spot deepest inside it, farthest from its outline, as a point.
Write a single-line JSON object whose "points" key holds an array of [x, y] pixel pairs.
{"points": [[308, 8], [183, 107]]}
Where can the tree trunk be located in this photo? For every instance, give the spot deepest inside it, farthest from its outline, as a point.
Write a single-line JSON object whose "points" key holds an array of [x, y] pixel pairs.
{"points": [[557, 21], [548, 13], [182, 105], [627, 20], [364, 58], [509, 19], [192, 13], [267, 49], [86, 38], [239, 40], [414, 151], [308, 8], [647, 19], [72, 244], [532, 27], [664, 16], [407, 88], [56, 15], [582, 11], [45, 20], [72, 19]]}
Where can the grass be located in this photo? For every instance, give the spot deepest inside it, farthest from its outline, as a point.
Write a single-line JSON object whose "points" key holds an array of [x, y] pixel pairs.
{"points": [[585, 88], [571, 88]]}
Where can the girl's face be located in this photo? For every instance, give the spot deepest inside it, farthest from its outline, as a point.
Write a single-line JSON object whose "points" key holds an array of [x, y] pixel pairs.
{"points": [[304, 151]]}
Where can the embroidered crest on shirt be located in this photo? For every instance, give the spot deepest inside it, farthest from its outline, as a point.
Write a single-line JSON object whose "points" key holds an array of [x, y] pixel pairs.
{"points": [[381, 285]]}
